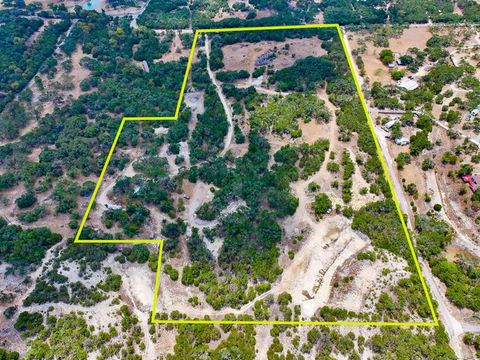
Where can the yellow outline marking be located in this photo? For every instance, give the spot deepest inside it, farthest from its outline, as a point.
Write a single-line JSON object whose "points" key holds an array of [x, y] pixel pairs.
{"points": [[160, 241]]}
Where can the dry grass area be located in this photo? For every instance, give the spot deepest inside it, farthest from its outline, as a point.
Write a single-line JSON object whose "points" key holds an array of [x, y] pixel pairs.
{"points": [[230, 13], [455, 252], [57, 223], [242, 56], [177, 50], [375, 70], [358, 284], [63, 87]]}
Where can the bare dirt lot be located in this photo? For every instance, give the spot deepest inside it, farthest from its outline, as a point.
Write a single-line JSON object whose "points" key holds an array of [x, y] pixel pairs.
{"points": [[177, 50], [375, 70], [242, 56]]}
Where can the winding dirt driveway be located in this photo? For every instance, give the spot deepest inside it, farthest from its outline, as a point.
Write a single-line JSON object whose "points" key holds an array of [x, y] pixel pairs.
{"points": [[223, 99]]}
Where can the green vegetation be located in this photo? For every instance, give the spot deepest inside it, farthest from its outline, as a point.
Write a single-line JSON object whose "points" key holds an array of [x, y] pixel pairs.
{"points": [[33, 215], [282, 114], [208, 135], [239, 342], [19, 62], [137, 253], [230, 76], [472, 340], [25, 247], [403, 159], [380, 222], [396, 340], [7, 181], [26, 200], [149, 47], [170, 14], [353, 12], [460, 277], [130, 219], [408, 11], [305, 74], [70, 336], [9, 355], [113, 282], [386, 56], [12, 120], [398, 12], [322, 205], [171, 271], [29, 323]]}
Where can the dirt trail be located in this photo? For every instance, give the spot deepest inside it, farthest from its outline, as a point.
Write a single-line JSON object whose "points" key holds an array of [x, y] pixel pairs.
{"points": [[223, 99], [195, 101], [463, 136], [263, 90], [404, 205], [332, 136], [33, 124]]}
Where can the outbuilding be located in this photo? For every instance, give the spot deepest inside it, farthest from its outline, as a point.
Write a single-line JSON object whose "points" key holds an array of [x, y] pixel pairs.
{"points": [[388, 126], [402, 141], [408, 84], [473, 181]]}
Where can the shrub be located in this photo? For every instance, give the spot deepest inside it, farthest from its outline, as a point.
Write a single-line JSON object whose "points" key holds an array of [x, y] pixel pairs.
{"points": [[26, 200], [322, 204]]}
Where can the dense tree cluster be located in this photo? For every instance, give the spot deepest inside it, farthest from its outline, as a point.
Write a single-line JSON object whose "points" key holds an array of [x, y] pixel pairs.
{"points": [[24, 247], [19, 62], [171, 14], [354, 12], [460, 277], [380, 222], [305, 74]]}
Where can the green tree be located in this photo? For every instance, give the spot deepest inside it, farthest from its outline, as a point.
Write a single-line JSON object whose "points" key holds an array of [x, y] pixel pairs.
{"points": [[322, 204], [386, 56]]}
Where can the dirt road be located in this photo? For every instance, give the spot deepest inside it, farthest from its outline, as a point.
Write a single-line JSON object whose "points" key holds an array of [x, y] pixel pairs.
{"points": [[223, 99], [463, 136]]}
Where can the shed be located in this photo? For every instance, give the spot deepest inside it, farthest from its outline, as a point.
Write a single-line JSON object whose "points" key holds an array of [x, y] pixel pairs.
{"points": [[388, 126], [402, 141], [408, 84], [473, 181]]}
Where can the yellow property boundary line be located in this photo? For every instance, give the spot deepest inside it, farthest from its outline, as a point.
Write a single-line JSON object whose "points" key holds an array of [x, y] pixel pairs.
{"points": [[160, 241]]}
